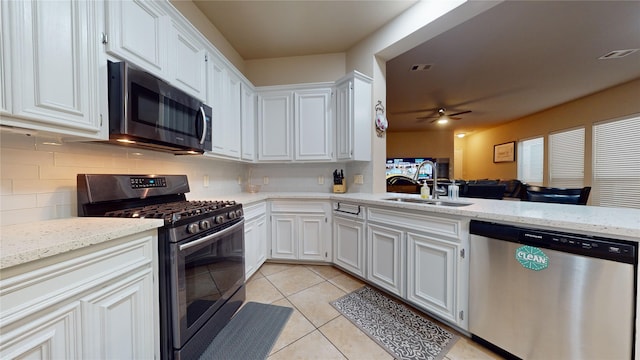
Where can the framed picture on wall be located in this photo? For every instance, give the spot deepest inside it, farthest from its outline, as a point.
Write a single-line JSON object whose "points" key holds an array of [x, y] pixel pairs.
{"points": [[504, 152]]}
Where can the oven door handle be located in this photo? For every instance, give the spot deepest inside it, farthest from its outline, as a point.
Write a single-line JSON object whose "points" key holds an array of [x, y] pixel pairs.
{"points": [[212, 236]]}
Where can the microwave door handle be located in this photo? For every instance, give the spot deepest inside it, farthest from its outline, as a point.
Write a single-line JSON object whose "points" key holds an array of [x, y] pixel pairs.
{"points": [[204, 125]]}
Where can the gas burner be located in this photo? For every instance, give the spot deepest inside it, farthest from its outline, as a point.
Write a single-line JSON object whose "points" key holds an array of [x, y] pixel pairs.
{"points": [[172, 212]]}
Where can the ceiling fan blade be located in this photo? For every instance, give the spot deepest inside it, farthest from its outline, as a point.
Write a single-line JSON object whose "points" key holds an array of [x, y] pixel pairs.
{"points": [[459, 113]]}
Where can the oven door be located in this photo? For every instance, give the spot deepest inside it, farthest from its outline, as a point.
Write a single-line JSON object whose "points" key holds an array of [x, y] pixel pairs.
{"points": [[206, 272]]}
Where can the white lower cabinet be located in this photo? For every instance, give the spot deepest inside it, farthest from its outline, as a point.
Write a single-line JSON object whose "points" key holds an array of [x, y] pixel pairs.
{"points": [[385, 258], [432, 274], [421, 258], [102, 304], [300, 230], [349, 245], [255, 238]]}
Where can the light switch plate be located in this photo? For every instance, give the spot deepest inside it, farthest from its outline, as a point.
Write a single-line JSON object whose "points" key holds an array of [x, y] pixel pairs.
{"points": [[265, 180], [320, 180], [205, 181]]}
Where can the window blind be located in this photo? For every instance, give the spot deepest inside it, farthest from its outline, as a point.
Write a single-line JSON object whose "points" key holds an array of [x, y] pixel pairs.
{"points": [[566, 159], [530, 160], [616, 163]]}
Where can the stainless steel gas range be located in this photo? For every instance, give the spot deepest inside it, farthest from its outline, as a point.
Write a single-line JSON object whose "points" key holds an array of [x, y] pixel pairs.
{"points": [[201, 252]]}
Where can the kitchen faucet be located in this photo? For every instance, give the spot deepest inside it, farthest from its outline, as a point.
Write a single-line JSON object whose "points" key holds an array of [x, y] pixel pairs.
{"points": [[434, 175]]}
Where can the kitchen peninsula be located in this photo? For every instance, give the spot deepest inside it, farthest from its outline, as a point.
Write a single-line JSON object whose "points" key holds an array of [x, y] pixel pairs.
{"points": [[448, 224]]}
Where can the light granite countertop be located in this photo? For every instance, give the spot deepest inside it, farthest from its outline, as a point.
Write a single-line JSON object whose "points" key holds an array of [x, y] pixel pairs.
{"points": [[620, 223], [27, 242], [23, 243]]}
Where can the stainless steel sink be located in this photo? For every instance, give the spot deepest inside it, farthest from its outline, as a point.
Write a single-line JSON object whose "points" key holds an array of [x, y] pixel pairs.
{"points": [[429, 201]]}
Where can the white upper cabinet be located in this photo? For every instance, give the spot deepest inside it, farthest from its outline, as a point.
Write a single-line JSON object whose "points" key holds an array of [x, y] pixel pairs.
{"points": [[137, 31], [224, 96], [248, 125], [57, 74], [187, 62], [354, 117], [5, 60], [313, 125], [275, 126], [295, 124]]}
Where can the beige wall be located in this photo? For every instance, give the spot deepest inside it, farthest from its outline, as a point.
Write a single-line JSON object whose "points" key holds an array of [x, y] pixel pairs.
{"points": [[436, 144], [296, 69], [610, 104]]}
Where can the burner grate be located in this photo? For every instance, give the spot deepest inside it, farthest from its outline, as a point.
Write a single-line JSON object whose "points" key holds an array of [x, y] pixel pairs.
{"points": [[172, 212]]}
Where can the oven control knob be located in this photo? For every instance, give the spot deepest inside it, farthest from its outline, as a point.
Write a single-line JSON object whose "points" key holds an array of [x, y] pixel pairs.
{"points": [[231, 215], [193, 228], [205, 224], [238, 213], [219, 219]]}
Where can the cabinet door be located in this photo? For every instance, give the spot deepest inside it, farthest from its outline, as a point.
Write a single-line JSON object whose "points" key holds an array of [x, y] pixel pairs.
{"points": [[313, 125], [217, 84], [187, 62], [274, 126], [283, 237], [431, 274], [55, 57], [261, 232], [250, 248], [344, 124], [348, 249], [138, 32], [312, 236], [232, 120], [385, 263], [52, 336], [248, 128], [5, 59], [120, 314]]}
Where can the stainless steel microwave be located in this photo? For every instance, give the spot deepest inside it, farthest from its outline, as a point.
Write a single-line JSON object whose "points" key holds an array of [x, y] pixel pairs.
{"points": [[147, 112]]}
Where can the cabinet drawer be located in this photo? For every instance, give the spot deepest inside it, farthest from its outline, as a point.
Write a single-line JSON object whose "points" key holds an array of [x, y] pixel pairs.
{"points": [[299, 206], [438, 225], [253, 211]]}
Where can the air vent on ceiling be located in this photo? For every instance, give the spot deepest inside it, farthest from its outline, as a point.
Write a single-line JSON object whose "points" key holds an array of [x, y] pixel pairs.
{"points": [[616, 54], [421, 67]]}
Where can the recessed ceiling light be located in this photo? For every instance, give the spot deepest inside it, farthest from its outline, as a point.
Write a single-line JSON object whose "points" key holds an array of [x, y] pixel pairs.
{"points": [[460, 135], [617, 54]]}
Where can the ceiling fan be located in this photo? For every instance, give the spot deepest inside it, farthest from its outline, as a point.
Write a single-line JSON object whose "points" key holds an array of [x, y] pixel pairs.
{"points": [[442, 117]]}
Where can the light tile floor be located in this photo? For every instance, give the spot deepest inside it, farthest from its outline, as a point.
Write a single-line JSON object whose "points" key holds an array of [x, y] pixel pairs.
{"points": [[316, 330]]}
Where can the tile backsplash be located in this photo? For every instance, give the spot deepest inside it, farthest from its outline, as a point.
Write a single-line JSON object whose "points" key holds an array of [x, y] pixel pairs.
{"points": [[38, 176]]}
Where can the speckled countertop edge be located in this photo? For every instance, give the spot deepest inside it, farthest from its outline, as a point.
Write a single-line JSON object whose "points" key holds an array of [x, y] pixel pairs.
{"points": [[22, 243]]}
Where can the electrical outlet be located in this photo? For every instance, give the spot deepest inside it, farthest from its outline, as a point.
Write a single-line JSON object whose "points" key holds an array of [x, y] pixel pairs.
{"points": [[239, 180], [265, 180], [358, 179], [205, 181], [320, 180]]}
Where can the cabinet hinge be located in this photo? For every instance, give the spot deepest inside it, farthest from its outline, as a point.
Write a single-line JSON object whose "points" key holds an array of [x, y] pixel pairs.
{"points": [[105, 38], [462, 253], [325, 219], [326, 254], [461, 314], [206, 57], [100, 120]]}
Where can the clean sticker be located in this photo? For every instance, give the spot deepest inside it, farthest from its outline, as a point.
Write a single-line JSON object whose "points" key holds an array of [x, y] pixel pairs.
{"points": [[532, 258]]}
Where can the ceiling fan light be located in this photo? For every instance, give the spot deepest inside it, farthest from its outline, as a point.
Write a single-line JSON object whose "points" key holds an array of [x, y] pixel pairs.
{"points": [[443, 120]]}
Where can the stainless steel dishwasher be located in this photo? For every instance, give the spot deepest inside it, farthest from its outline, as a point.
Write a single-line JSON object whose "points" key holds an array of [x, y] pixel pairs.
{"points": [[540, 294]]}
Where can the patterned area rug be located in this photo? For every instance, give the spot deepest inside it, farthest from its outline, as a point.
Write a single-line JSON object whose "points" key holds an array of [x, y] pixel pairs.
{"points": [[393, 325]]}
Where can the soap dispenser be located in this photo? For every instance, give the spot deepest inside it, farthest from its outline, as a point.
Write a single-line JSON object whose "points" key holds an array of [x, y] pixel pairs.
{"points": [[424, 191]]}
